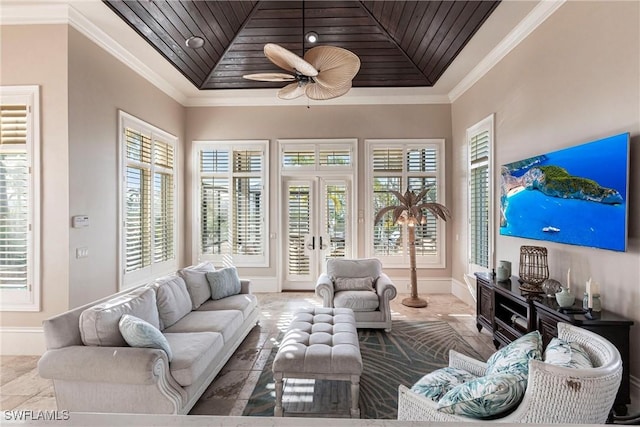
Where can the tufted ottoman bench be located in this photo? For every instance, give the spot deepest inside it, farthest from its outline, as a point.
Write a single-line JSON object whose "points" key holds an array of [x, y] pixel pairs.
{"points": [[320, 343]]}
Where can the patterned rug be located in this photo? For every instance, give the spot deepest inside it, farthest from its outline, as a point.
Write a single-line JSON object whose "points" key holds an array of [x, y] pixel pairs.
{"points": [[402, 356]]}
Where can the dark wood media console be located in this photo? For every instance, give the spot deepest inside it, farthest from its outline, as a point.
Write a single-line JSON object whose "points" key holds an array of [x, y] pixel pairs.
{"points": [[508, 314]]}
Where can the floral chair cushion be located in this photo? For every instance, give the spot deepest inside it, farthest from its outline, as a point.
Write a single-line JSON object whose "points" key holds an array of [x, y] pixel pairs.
{"points": [[515, 356], [485, 397], [568, 354], [439, 382]]}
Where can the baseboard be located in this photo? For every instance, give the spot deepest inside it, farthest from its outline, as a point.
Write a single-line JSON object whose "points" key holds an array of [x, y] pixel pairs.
{"points": [[22, 341], [461, 291], [263, 284]]}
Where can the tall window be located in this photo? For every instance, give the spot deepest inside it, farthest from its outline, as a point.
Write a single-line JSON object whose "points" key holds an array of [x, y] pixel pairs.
{"points": [[480, 143], [148, 201], [19, 198], [400, 165], [231, 202]]}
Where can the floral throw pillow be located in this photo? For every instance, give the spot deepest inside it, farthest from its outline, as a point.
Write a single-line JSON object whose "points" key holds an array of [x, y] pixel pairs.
{"points": [[439, 382], [568, 354], [485, 397], [138, 333], [515, 356]]}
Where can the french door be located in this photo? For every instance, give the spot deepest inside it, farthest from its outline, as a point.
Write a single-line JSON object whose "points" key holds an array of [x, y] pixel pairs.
{"points": [[316, 226]]}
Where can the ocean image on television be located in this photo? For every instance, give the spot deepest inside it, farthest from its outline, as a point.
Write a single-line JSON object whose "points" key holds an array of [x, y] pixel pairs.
{"points": [[577, 195]]}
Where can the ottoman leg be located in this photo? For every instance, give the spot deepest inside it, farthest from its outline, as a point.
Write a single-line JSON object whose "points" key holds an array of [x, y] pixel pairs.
{"points": [[355, 396], [278, 411]]}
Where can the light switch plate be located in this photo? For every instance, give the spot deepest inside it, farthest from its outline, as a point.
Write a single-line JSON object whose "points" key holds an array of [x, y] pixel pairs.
{"points": [[80, 221]]}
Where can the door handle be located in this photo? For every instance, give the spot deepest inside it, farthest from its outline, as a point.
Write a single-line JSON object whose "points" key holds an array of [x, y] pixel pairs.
{"points": [[312, 245], [321, 245]]}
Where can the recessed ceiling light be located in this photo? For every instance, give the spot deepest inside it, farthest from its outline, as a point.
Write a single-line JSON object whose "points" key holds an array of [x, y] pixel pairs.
{"points": [[311, 37], [194, 42]]}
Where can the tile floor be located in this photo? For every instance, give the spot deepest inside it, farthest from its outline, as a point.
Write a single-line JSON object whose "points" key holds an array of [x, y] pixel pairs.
{"points": [[22, 388]]}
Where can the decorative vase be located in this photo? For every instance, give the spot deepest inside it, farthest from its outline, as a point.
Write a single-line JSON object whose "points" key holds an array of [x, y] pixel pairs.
{"points": [[503, 272], [565, 298]]}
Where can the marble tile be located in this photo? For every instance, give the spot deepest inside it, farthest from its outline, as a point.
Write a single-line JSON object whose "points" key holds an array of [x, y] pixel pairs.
{"points": [[15, 366], [28, 384], [12, 402]]}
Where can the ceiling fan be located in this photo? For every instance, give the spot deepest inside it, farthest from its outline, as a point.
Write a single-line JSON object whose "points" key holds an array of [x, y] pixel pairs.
{"points": [[324, 73]]}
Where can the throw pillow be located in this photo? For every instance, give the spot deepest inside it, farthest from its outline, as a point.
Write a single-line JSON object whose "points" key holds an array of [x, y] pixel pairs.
{"points": [[99, 323], [138, 333], [353, 284], [173, 300], [485, 397], [196, 281], [223, 283], [439, 382], [568, 354], [515, 356]]}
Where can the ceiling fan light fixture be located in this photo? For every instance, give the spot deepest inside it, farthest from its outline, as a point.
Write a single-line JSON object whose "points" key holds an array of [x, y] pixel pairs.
{"points": [[194, 42], [311, 37]]}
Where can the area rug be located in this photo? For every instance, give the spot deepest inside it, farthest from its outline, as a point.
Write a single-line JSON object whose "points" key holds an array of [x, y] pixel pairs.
{"points": [[403, 356]]}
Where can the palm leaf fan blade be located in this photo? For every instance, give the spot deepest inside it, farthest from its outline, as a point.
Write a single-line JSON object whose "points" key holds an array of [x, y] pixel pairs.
{"points": [[336, 66], [269, 77], [291, 91], [320, 93], [399, 196], [288, 60]]}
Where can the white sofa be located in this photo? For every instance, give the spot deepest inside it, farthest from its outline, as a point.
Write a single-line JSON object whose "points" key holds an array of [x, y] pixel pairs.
{"points": [[94, 370]]}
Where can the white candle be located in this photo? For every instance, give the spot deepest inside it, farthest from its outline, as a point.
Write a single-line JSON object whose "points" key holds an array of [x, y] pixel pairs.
{"points": [[569, 279], [590, 305]]}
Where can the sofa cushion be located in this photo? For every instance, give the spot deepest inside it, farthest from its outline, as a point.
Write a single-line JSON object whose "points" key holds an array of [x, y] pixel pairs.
{"points": [[366, 267], [138, 333], [515, 356], [356, 300], [437, 383], [224, 282], [193, 354], [245, 303], [226, 322], [353, 284], [568, 354], [172, 299], [99, 324], [485, 397], [196, 281]]}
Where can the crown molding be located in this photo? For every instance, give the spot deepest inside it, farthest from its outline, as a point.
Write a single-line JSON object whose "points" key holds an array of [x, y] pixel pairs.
{"points": [[356, 96], [537, 16]]}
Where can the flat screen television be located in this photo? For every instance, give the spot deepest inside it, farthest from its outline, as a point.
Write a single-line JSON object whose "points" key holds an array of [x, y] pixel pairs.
{"points": [[577, 195]]}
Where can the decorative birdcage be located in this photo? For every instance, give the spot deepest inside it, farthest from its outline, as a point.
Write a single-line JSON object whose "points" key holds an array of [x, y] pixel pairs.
{"points": [[534, 268]]}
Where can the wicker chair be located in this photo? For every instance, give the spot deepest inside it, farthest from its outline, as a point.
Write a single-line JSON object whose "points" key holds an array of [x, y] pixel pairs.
{"points": [[554, 394]]}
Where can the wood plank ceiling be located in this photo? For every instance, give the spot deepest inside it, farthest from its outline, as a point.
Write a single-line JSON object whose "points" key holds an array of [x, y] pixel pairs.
{"points": [[400, 43]]}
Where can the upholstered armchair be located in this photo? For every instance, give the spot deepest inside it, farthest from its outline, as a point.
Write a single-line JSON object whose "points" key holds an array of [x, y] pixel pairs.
{"points": [[358, 284]]}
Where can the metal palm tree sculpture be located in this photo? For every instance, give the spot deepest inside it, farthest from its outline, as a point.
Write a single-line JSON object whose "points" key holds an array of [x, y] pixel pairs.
{"points": [[410, 211]]}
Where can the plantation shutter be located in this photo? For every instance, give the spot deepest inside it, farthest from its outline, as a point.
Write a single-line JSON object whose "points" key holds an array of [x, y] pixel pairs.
{"points": [[149, 201], [14, 199], [138, 200], [163, 200], [479, 198], [299, 228], [247, 215], [232, 203], [298, 157], [334, 157]]}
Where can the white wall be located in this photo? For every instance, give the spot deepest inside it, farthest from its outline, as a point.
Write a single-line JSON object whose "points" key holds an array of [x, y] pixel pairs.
{"points": [[573, 80]]}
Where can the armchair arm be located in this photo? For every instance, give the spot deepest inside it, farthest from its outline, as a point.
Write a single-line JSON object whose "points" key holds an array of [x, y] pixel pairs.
{"points": [[324, 289], [469, 364], [385, 288]]}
